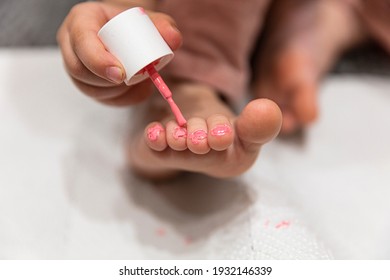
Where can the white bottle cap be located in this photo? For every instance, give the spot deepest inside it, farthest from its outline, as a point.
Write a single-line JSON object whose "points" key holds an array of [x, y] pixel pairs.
{"points": [[134, 40]]}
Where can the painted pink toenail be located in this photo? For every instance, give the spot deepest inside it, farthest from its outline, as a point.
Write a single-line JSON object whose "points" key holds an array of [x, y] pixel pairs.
{"points": [[154, 132], [221, 130], [180, 132], [197, 136]]}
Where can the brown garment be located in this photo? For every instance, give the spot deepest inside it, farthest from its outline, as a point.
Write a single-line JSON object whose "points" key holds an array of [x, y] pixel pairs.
{"points": [[376, 15], [218, 37]]}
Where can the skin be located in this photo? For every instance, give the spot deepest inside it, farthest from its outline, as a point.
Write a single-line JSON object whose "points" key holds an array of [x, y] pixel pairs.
{"points": [[222, 156], [95, 71], [99, 75], [293, 60]]}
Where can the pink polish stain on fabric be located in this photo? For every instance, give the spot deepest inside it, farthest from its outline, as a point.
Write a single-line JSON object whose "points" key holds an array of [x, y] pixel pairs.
{"points": [[197, 136], [180, 132], [154, 132], [221, 130], [283, 224], [160, 232]]}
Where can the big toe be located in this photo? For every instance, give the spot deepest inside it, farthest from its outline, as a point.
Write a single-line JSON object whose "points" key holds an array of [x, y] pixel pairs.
{"points": [[259, 123]]}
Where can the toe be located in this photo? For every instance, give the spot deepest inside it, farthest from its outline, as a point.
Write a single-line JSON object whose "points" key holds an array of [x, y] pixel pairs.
{"points": [[289, 124], [259, 122], [197, 136], [176, 136], [304, 103], [220, 132], [155, 136], [294, 91]]}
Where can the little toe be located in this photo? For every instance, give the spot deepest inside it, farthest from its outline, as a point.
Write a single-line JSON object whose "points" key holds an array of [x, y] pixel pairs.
{"points": [[176, 136], [197, 136], [155, 136], [221, 134]]}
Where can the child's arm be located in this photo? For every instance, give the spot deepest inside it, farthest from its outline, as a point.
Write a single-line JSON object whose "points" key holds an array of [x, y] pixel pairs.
{"points": [[94, 70]]}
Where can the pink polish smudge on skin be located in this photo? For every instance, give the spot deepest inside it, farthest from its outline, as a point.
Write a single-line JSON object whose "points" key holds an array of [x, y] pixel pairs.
{"points": [[180, 132], [221, 130], [142, 10], [197, 136], [166, 93], [154, 132], [283, 224]]}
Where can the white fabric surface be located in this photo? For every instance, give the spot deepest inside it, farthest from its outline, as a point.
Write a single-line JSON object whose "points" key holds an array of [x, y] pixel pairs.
{"points": [[65, 192]]}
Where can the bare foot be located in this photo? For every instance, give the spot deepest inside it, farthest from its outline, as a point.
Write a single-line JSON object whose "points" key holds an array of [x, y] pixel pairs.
{"points": [[303, 41], [215, 141]]}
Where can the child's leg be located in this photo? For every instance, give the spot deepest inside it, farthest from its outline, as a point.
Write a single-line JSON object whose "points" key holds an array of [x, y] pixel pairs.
{"points": [[218, 36], [303, 40]]}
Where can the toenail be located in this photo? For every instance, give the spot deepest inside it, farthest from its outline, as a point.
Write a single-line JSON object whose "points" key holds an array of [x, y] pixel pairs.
{"points": [[197, 136], [154, 132], [180, 132], [221, 130]]}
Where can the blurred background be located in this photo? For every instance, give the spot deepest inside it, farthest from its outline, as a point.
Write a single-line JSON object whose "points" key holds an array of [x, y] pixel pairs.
{"points": [[34, 23], [31, 22]]}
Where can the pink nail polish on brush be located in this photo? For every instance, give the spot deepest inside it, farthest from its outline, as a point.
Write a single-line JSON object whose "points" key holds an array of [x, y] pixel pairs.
{"points": [[166, 93], [134, 40]]}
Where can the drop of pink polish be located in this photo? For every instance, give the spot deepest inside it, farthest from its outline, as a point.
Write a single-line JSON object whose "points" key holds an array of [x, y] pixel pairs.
{"points": [[154, 132], [221, 130], [180, 132], [197, 136], [283, 224]]}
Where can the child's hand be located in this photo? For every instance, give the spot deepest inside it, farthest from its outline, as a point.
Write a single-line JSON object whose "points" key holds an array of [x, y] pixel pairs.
{"points": [[95, 71]]}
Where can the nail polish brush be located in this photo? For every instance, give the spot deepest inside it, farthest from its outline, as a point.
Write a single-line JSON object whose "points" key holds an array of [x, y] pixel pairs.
{"points": [[134, 40]]}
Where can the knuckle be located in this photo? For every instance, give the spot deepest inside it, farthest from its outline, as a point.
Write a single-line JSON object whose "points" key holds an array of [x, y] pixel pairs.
{"points": [[76, 69], [79, 9], [60, 35]]}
